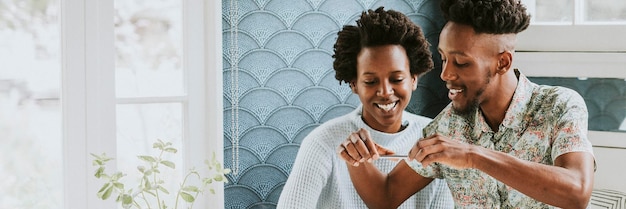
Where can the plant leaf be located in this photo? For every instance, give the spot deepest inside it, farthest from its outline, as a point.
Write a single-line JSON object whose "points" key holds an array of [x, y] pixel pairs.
{"points": [[118, 185], [147, 184], [107, 193], [97, 162], [191, 189], [226, 171], [99, 172], [117, 176], [169, 164], [171, 150], [104, 187], [127, 199], [163, 189], [158, 145], [187, 197], [141, 169], [147, 158], [218, 177]]}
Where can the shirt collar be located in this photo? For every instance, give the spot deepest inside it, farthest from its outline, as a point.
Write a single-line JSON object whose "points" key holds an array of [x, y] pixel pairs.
{"points": [[514, 116]]}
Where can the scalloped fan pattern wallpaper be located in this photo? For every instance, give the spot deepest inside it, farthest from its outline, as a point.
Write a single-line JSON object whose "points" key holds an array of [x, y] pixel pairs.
{"points": [[284, 85]]}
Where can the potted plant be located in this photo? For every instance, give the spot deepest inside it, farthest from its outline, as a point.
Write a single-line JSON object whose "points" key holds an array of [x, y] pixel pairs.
{"points": [[150, 190]]}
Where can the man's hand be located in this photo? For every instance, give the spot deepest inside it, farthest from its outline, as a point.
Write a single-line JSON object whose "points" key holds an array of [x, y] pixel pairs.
{"points": [[359, 147], [438, 148]]}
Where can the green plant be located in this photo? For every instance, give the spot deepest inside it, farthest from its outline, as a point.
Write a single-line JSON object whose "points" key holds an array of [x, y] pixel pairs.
{"points": [[151, 182]]}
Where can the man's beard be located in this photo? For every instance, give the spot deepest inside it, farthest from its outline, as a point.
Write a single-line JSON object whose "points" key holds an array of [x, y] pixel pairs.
{"points": [[468, 111], [473, 105]]}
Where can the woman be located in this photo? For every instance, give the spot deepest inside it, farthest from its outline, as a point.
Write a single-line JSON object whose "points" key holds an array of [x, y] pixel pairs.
{"points": [[380, 58]]}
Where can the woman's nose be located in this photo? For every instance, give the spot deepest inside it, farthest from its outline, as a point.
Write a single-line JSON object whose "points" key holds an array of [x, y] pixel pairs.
{"points": [[385, 89]]}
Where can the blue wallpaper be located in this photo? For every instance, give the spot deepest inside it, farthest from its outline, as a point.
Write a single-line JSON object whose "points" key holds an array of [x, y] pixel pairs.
{"points": [[285, 83]]}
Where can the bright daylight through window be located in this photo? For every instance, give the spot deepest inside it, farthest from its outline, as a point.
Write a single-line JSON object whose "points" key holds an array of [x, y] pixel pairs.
{"points": [[577, 12], [31, 157]]}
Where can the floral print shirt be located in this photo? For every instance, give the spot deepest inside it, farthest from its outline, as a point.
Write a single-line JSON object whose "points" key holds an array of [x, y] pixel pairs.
{"points": [[542, 123]]}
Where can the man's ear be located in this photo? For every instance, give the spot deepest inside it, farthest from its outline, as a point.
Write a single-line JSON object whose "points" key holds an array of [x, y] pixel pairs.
{"points": [[504, 62]]}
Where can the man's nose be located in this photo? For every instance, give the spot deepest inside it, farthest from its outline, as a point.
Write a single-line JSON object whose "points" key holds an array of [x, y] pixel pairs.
{"points": [[447, 72]]}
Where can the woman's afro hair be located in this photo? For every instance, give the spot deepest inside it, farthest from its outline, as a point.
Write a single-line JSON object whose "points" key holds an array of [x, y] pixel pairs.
{"points": [[376, 28]]}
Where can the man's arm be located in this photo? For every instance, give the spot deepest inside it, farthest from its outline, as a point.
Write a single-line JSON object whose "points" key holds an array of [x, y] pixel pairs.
{"points": [[567, 184]]}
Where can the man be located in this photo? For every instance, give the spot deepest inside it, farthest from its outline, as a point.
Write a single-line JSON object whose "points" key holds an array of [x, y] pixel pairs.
{"points": [[503, 142]]}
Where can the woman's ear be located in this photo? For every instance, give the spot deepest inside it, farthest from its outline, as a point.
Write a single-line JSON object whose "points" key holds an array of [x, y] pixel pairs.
{"points": [[415, 79], [352, 86]]}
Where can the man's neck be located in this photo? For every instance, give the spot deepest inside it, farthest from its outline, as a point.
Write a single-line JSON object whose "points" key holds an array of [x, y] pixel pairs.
{"points": [[495, 111]]}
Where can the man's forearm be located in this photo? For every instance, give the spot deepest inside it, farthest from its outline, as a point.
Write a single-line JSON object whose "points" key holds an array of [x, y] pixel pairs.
{"points": [[566, 185]]}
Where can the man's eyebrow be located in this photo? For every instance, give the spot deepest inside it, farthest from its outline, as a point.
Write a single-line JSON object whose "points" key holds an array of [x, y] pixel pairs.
{"points": [[453, 52]]}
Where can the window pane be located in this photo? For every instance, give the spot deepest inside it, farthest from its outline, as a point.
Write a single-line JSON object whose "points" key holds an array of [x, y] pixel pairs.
{"points": [[149, 48], [31, 158], [138, 127], [605, 11], [551, 11]]}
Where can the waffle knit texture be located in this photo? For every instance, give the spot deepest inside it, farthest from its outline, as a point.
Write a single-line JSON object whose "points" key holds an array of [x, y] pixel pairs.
{"points": [[320, 179]]}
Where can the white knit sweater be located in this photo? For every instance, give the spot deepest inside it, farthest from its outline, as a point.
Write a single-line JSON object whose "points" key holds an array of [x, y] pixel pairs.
{"points": [[320, 179]]}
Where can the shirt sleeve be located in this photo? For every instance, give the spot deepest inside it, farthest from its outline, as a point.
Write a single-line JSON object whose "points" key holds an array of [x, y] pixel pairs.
{"points": [[310, 172], [570, 132]]}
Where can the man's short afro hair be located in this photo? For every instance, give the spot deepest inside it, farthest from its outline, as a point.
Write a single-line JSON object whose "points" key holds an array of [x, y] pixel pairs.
{"points": [[488, 16]]}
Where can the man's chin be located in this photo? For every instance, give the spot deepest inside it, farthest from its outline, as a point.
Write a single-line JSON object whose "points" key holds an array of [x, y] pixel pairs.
{"points": [[463, 110]]}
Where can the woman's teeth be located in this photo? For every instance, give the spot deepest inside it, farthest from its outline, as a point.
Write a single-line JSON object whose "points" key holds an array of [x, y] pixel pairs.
{"points": [[387, 107]]}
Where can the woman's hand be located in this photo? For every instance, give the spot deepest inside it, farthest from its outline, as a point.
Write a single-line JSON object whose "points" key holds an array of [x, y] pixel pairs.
{"points": [[359, 147]]}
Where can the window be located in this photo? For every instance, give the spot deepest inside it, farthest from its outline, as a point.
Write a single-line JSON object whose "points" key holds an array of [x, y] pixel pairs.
{"points": [[574, 25], [65, 93], [31, 157], [150, 86], [577, 12]]}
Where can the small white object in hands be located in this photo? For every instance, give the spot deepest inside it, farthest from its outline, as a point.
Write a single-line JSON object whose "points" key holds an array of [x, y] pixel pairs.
{"points": [[394, 156]]}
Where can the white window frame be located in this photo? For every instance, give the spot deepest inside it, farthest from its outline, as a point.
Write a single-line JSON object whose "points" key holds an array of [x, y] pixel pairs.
{"points": [[214, 91], [572, 38], [576, 37], [88, 94]]}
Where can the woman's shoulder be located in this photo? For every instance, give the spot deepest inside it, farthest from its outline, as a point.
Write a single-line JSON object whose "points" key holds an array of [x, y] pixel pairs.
{"points": [[419, 120], [334, 130]]}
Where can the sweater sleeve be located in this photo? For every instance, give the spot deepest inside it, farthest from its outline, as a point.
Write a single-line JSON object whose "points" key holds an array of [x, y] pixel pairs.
{"points": [[310, 173]]}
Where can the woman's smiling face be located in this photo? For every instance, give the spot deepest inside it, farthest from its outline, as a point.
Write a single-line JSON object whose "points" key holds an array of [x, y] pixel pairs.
{"points": [[384, 84]]}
